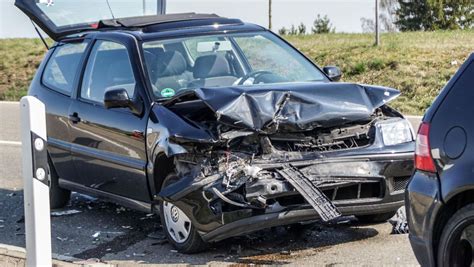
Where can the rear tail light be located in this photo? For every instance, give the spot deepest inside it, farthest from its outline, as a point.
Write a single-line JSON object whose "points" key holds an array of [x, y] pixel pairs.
{"points": [[423, 159]]}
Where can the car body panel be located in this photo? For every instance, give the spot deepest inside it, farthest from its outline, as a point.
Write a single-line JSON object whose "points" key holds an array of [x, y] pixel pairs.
{"points": [[428, 194], [423, 198], [293, 106], [455, 171], [111, 153]]}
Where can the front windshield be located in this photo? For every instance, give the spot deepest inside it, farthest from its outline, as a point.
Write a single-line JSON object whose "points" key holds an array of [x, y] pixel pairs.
{"points": [[240, 59]]}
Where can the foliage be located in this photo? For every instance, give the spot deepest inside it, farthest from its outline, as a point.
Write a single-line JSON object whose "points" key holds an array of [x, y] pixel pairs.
{"points": [[322, 25], [302, 29], [431, 15], [387, 14], [368, 25], [293, 30], [283, 31]]}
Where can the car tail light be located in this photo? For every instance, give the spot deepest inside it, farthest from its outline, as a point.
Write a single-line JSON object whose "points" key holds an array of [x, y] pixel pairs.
{"points": [[423, 159]]}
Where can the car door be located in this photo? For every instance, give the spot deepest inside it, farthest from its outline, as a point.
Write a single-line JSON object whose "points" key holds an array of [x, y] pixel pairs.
{"points": [[108, 145]]}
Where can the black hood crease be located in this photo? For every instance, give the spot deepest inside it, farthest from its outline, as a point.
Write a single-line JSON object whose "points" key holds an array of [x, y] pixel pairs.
{"points": [[291, 107]]}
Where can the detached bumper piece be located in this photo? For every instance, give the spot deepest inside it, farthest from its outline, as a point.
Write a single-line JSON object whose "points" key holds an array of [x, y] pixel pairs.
{"points": [[311, 193]]}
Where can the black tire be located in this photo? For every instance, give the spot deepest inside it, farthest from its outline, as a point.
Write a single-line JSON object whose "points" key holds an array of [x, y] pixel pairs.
{"points": [[58, 197], [194, 242], [376, 218], [454, 249]]}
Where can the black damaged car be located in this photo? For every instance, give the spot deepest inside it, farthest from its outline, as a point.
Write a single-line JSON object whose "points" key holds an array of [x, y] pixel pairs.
{"points": [[220, 126]]}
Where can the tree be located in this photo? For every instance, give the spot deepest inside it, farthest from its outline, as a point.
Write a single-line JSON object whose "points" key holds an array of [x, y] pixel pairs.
{"points": [[434, 15], [368, 25], [387, 16], [301, 29], [322, 25], [283, 31], [293, 30]]}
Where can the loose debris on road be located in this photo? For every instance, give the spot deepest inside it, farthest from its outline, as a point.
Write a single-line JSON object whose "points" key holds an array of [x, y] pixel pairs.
{"points": [[64, 212], [399, 222]]}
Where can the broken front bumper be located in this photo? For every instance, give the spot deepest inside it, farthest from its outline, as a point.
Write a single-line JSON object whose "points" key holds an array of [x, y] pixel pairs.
{"points": [[357, 184]]}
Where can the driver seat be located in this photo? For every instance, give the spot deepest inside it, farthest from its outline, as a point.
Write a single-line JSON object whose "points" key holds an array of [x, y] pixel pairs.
{"points": [[211, 71]]}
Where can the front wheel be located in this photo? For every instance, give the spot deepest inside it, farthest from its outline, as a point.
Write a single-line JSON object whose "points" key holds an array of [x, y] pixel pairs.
{"points": [[178, 227], [456, 245]]}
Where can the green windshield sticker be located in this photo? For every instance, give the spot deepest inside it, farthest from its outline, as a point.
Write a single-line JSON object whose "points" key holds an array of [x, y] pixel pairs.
{"points": [[167, 92]]}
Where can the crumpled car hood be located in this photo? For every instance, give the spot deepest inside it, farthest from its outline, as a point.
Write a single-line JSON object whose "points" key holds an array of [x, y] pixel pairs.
{"points": [[291, 107]]}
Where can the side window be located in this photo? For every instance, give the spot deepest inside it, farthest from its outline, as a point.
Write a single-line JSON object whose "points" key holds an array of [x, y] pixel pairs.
{"points": [[108, 68], [63, 66]]}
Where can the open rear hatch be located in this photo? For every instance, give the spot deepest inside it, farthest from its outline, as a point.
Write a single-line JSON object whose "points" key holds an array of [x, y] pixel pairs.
{"points": [[60, 18]]}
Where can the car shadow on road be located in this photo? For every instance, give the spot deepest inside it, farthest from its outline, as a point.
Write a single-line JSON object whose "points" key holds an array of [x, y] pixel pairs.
{"points": [[102, 231]]}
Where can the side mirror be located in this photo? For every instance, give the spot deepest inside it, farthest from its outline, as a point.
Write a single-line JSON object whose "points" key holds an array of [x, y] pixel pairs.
{"points": [[334, 73], [117, 98]]}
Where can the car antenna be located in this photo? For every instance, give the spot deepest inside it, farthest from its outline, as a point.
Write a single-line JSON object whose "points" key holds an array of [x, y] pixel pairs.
{"points": [[41, 36], [111, 13]]}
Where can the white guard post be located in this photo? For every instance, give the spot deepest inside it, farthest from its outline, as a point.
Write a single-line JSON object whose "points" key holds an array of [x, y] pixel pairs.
{"points": [[35, 182]]}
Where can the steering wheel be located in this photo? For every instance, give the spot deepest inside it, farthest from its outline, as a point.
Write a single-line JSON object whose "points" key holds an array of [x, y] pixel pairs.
{"points": [[255, 75]]}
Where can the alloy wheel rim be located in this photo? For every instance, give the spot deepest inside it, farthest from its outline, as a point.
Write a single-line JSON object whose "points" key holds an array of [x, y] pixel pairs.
{"points": [[178, 224]]}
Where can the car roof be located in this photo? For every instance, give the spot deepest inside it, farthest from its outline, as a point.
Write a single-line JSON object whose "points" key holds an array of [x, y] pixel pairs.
{"points": [[163, 27], [173, 25]]}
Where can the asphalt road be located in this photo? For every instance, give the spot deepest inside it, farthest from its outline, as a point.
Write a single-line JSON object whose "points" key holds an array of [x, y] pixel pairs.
{"points": [[111, 233]]}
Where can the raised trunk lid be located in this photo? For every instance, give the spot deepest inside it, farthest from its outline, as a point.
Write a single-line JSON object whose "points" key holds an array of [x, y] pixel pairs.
{"points": [[60, 18]]}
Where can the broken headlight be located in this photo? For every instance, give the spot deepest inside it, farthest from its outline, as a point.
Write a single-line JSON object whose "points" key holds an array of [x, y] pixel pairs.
{"points": [[396, 131]]}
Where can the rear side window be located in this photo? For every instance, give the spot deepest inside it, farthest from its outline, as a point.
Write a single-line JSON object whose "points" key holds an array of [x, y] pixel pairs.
{"points": [[63, 67]]}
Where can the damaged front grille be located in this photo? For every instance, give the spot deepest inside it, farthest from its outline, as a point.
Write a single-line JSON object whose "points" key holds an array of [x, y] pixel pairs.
{"points": [[369, 189], [324, 140]]}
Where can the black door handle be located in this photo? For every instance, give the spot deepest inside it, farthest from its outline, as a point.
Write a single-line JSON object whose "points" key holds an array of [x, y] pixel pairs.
{"points": [[74, 117]]}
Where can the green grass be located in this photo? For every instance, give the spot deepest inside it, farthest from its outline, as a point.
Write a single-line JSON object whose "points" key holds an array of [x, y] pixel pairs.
{"points": [[19, 59], [418, 63]]}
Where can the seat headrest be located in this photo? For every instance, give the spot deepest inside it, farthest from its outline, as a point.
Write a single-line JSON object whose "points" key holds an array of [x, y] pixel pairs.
{"points": [[170, 63], [209, 66]]}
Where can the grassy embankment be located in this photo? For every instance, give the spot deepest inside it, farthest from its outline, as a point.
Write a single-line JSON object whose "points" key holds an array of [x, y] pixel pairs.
{"points": [[418, 63]]}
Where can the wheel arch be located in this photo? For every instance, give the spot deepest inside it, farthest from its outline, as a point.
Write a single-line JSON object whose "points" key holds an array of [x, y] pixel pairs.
{"points": [[449, 208], [162, 166]]}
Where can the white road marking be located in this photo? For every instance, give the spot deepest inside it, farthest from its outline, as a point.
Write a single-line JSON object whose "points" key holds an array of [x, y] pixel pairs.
{"points": [[11, 143], [10, 102]]}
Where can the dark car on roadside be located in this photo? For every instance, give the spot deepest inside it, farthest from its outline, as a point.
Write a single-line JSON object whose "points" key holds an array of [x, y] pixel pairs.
{"points": [[220, 126], [440, 194]]}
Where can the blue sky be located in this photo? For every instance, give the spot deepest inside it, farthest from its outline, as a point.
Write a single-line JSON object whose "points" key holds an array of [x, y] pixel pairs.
{"points": [[344, 14]]}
